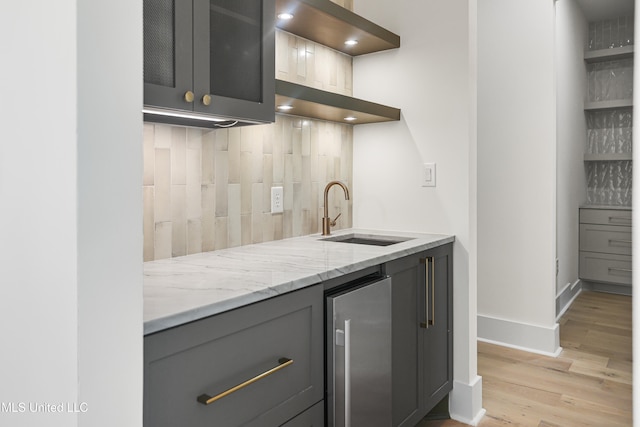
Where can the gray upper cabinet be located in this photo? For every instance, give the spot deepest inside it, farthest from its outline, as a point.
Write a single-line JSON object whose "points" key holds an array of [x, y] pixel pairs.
{"points": [[213, 59]]}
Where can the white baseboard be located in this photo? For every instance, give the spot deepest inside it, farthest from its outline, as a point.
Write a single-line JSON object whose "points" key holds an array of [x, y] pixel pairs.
{"points": [[567, 297], [521, 336], [465, 402]]}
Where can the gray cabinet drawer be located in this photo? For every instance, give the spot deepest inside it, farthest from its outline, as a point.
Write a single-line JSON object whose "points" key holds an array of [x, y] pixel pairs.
{"points": [[312, 417], [215, 354], [605, 268], [605, 216], [610, 239]]}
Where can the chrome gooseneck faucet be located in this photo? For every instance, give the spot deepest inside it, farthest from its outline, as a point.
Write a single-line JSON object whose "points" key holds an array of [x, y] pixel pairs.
{"points": [[327, 222]]}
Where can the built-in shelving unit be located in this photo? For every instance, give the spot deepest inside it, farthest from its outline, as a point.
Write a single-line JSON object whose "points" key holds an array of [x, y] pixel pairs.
{"points": [[329, 24], [318, 104]]}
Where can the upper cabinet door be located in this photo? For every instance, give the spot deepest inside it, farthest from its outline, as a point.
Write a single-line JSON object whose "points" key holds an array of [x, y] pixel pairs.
{"points": [[168, 53], [234, 58]]}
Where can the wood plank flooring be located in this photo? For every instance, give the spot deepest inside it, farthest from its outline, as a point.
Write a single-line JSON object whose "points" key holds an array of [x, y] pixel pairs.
{"points": [[588, 385]]}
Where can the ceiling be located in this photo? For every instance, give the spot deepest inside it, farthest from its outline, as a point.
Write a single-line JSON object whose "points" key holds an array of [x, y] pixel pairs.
{"points": [[598, 10]]}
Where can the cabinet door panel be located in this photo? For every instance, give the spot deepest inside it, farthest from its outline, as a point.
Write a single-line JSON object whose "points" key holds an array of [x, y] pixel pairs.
{"points": [[405, 337], [234, 58], [168, 53], [438, 337]]}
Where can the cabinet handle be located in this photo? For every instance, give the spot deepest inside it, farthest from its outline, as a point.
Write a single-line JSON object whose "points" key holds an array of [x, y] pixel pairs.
{"points": [[189, 96], [628, 242], [205, 399], [619, 218], [429, 321], [347, 373], [625, 270], [206, 99]]}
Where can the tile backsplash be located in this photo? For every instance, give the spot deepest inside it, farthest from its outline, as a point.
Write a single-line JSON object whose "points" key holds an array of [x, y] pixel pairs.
{"points": [[211, 189]]}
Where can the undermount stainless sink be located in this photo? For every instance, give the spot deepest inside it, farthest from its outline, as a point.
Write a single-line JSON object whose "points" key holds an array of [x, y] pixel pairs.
{"points": [[367, 239]]}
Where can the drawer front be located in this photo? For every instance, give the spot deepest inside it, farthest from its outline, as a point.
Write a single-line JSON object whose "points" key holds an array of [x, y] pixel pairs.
{"points": [[312, 417], [606, 216], [608, 239], [214, 355], [605, 268]]}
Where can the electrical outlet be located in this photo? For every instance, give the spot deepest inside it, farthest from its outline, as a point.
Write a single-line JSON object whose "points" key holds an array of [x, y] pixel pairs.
{"points": [[428, 175], [277, 202]]}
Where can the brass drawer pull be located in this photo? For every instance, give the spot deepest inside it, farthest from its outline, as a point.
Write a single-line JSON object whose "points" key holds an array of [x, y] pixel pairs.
{"points": [[205, 399]]}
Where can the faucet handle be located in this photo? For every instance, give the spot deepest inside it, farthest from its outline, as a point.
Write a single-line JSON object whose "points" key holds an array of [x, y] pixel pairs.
{"points": [[333, 222]]}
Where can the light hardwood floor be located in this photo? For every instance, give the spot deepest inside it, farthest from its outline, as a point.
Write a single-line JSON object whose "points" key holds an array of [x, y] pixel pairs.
{"points": [[589, 384]]}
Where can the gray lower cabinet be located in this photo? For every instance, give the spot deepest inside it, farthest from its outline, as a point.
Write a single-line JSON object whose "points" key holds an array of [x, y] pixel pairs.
{"points": [[259, 365], [605, 248], [422, 333], [312, 417]]}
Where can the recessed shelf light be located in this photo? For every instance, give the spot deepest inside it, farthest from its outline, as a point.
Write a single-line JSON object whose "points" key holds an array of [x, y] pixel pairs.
{"points": [[285, 107], [285, 16], [350, 118], [351, 42]]}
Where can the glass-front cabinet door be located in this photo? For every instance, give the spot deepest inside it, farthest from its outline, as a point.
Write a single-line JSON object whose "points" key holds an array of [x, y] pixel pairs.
{"points": [[168, 53], [234, 58], [211, 57]]}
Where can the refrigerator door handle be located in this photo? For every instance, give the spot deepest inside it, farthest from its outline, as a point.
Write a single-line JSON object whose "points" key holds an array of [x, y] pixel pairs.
{"points": [[347, 373]]}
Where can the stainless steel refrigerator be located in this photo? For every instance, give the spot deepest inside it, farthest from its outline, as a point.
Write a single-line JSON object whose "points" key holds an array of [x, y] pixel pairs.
{"points": [[359, 355]]}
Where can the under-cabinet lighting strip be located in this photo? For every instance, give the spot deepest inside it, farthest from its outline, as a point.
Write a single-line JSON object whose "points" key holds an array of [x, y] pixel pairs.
{"points": [[193, 116]]}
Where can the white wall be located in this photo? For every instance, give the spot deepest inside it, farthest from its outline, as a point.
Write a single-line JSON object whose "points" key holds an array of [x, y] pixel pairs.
{"points": [[571, 34], [517, 174], [71, 270], [432, 79]]}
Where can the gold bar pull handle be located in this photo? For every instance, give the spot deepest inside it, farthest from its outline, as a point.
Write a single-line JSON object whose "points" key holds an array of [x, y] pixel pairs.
{"points": [[432, 321], [205, 399], [427, 322]]}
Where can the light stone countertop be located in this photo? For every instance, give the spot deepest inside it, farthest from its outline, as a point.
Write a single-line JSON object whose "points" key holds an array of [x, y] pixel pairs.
{"points": [[184, 289]]}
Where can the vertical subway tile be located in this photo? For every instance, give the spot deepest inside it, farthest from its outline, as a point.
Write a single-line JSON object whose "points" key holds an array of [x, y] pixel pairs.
{"points": [[267, 138], [246, 229], [148, 223], [221, 233], [148, 154], [194, 236], [235, 223], [162, 240], [208, 192], [267, 181], [256, 227], [297, 209], [222, 177], [162, 196], [221, 139], [257, 198], [162, 136], [208, 159], [178, 156], [267, 227], [234, 165], [178, 220], [287, 224], [278, 221], [193, 201], [194, 165], [306, 183], [246, 182]]}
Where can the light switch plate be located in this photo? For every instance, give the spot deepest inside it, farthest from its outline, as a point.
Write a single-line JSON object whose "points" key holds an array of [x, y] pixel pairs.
{"points": [[277, 202], [428, 175]]}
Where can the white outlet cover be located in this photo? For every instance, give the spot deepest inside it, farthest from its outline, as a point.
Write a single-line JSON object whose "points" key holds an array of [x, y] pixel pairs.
{"points": [[277, 200]]}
